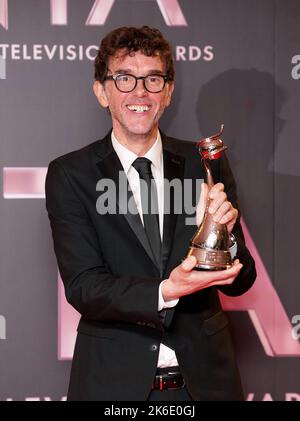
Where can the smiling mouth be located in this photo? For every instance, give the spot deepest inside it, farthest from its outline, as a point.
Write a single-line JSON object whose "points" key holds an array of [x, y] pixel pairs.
{"points": [[138, 108]]}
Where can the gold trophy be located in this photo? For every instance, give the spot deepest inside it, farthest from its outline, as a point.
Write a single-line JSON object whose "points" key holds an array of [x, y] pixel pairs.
{"points": [[211, 241]]}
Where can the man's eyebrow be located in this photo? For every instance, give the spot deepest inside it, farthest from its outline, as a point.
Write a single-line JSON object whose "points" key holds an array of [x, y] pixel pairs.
{"points": [[155, 72], [122, 71], [130, 71]]}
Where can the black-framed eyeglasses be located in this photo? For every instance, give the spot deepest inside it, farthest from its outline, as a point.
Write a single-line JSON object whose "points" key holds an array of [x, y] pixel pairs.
{"points": [[127, 83]]}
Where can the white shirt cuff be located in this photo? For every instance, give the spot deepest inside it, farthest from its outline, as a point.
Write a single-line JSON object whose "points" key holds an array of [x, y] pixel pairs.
{"points": [[162, 304]]}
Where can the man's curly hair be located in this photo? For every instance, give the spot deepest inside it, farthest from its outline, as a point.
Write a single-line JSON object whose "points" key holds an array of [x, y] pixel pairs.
{"points": [[148, 41]]}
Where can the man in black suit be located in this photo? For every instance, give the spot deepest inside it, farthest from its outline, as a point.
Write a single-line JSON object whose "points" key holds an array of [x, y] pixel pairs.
{"points": [[151, 326]]}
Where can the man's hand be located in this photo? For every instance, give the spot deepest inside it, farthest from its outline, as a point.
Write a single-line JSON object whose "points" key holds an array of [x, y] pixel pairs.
{"points": [[183, 280], [219, 206]]}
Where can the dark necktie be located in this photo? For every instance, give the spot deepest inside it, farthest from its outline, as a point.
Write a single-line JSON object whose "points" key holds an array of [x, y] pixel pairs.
{"points": [[149, 206]]}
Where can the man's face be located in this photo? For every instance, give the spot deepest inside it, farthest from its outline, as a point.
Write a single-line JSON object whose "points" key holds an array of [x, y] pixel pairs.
{"points": [[134, 114]]}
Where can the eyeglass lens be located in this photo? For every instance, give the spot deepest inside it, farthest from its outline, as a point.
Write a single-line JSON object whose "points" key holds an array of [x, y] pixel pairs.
{"points": [[152, 83]]}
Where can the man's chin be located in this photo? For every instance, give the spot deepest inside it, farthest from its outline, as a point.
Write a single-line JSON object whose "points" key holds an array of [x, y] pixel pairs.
{"points": [[142, 131]]}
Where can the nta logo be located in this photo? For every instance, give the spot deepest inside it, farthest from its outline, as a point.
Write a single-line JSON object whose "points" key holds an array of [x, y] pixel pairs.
{"points": [[2, 68], [170, 10]]}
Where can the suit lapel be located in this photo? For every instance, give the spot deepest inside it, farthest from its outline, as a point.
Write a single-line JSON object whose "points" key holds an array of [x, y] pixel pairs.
{"points": [[173, 169], [110, 167]]}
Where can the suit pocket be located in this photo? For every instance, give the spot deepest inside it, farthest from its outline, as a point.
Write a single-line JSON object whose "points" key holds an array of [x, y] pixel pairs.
{"points": [[215, 323], [98, 331]]}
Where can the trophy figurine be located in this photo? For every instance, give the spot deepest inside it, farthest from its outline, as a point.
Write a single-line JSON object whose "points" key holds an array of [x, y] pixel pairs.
{"points": [[211, 241]]}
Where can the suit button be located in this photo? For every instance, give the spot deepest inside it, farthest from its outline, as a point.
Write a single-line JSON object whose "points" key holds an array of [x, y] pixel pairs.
{"points": [[154, 347]]}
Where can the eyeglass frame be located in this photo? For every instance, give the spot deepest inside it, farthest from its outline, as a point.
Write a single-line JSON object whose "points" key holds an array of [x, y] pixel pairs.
{"points": [[114, 77]]}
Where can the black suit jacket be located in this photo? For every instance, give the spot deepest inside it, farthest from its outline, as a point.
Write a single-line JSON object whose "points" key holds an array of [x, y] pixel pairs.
{"points": [[110, 278]]}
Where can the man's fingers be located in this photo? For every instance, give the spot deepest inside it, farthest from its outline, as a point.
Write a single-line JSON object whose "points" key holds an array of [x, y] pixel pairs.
{"points": [[230, 216], [217, 201], [224, 212], [219, 275], [215, 190], [190, 262]]}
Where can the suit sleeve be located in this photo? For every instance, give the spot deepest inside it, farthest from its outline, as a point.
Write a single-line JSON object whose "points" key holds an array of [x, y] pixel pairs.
{"points": [[89, 286], [247, 275]]}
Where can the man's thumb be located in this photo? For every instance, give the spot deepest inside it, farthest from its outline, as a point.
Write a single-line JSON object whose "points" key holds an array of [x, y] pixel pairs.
{"points": [[189, 263]]}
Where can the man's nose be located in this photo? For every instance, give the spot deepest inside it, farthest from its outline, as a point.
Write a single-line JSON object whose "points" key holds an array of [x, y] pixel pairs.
{"points": [[140, 89]]}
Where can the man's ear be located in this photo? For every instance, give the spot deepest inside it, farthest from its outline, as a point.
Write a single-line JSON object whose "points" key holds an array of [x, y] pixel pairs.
{"points": [[100, 93]]}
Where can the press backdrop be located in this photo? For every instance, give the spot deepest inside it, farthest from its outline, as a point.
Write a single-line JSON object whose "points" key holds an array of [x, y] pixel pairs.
{"points": [[237, 63]]}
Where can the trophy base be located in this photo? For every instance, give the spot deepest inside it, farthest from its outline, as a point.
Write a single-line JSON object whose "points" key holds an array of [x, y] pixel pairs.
{"points": [[210, 259]]}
